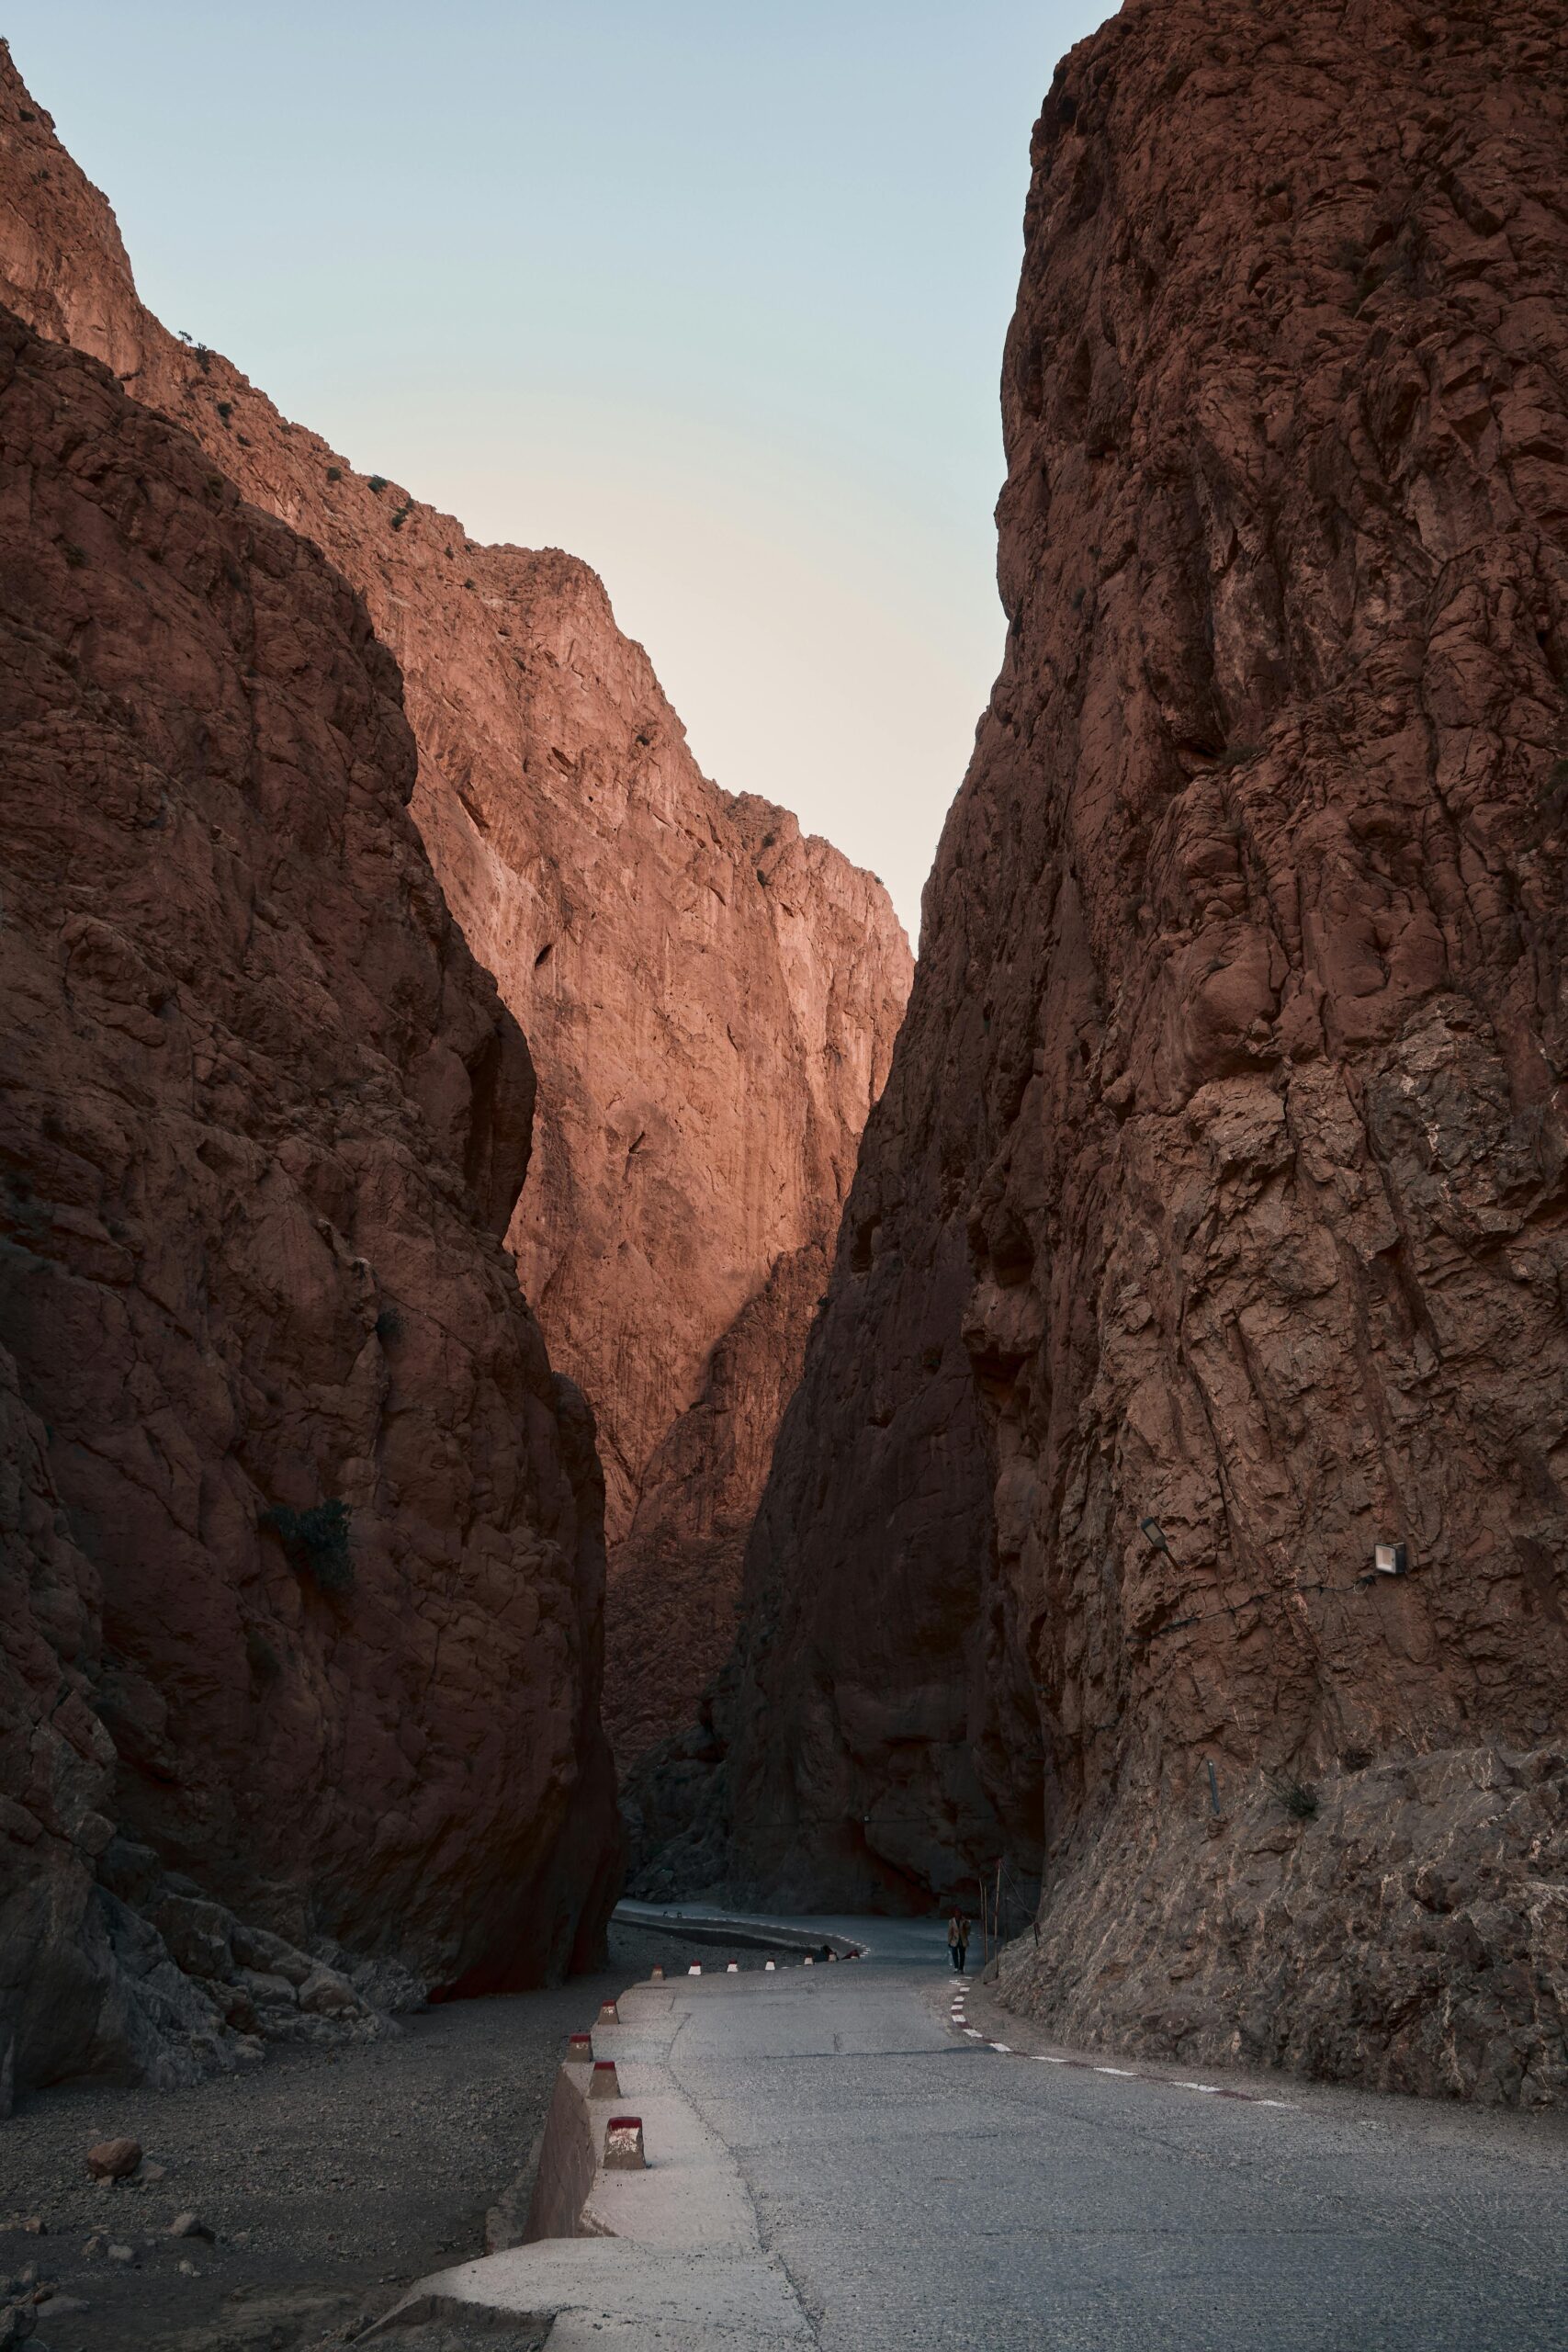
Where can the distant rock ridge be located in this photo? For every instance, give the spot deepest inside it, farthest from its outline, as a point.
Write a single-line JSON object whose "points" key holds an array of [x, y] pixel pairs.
{"points": [[301, 1615], [710, 998], [1212, 1228]]}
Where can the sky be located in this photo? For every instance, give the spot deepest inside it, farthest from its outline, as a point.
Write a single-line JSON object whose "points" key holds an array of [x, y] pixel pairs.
{"points": [[712, 294]]}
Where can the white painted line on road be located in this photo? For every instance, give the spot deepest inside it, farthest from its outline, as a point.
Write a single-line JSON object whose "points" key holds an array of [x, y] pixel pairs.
{"points": [[1124, 2073]]}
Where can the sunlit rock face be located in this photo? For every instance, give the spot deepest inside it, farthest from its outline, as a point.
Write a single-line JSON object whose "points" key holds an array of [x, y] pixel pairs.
{"points": [[303, 1538], [1219, 1180], [710, 998]]}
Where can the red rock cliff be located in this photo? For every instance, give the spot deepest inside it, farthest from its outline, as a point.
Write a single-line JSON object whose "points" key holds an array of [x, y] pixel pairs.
{"points": [[710, 1001], [1223, 1146], [303, 1553]]}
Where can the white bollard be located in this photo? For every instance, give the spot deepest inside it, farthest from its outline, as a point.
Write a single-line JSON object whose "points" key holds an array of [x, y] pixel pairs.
{"points": [[696, 1969], [768, 1966], [734, 1969]]}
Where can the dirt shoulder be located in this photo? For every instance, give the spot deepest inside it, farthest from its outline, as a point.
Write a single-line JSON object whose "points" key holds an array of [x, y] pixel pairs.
{"points": [[330, 2180]]}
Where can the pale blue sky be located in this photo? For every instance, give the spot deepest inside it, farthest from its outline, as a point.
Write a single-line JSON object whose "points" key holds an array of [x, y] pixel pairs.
{"points": [[713, 296]]}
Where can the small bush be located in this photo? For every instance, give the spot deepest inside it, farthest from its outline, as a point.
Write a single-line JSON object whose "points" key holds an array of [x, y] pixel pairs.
{"points": [[225, 410], [316, 1541], [334, 473], [262, 1658], [402, 513], [1300, 1802], [377, 483]]}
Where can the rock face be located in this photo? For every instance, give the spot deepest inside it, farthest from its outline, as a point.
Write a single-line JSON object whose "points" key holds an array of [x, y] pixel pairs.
{"points": [[1224, 1145], [302, 1537], [710, 999]]}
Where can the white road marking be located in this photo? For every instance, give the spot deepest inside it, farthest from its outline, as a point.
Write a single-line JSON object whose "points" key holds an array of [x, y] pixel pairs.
{"points": [[1127, 2071]]}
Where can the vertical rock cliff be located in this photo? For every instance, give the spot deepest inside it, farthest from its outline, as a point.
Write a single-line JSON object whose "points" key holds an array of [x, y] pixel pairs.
{"points": [[303, 1565], [710, 999], [1211, 1230]]}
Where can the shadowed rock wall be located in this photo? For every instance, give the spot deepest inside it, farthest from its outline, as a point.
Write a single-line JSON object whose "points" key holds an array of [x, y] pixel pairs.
{"points": [[303, 1551], [1224, 1145], [710, 999]]}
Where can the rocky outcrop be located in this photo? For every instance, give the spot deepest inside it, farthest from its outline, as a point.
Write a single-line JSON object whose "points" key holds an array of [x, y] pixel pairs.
{"points": [[1223, 1144], [303, 1548], [710, 999]]}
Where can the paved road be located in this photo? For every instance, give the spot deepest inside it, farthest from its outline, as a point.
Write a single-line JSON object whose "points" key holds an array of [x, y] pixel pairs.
{"points": [[916, 1942], [923, 2190]]}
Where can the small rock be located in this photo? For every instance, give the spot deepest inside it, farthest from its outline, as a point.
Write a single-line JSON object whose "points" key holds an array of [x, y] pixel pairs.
{"points": [[114, 2159], [95, 2244], [189, 2271], [189, 2225], [15, 2325], [34, 2225], [122, 2253], [152, 2170], [64, 2304]]}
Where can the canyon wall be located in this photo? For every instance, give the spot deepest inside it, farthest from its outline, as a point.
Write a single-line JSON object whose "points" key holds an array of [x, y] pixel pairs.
{"points": [[710, 999], [300, 1616], [1211, 1229]]}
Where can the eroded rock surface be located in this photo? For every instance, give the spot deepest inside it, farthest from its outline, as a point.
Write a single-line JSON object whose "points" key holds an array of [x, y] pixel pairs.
{"points": [[303, 1542], [710, 999], [1224, 1137]]}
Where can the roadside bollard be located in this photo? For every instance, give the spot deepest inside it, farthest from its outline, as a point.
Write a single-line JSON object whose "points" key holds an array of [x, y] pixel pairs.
{"points": [[603, 2082], [734, 1969], [696, 1969], [768, 1967], [578, 2049], [809, 1962], [608, 2013], [623, 2145], [657, 1974]]}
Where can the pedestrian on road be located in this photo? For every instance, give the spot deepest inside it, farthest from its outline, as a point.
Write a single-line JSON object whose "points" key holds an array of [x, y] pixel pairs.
{"points": [[957, 1940]]}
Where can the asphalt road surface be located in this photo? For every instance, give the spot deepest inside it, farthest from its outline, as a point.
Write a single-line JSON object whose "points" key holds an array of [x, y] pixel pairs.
{"points": [[922, 2189]]}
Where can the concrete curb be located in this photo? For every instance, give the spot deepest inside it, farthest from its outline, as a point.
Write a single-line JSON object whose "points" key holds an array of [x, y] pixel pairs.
{"points": [[637, 2225]]}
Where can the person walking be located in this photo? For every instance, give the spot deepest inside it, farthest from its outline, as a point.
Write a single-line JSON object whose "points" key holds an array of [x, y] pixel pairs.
{"points": [[957, 1940]]}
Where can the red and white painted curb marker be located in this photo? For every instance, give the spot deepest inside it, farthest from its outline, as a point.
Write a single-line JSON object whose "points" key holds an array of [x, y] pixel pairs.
{"points": [[696, 1969], [608, 2013], [734, 1969], [769, 1966], [657, 1974], [808, 1961], [623, 2145], [603, 2082], [578, 2049]]}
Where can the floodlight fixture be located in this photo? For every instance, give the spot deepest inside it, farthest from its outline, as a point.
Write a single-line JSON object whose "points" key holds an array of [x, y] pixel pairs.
{"points": [[1152, 1535], [1390, 1559]]}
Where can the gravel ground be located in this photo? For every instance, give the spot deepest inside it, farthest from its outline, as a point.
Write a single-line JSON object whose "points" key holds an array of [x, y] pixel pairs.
{"points": [[329, 2178]]}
